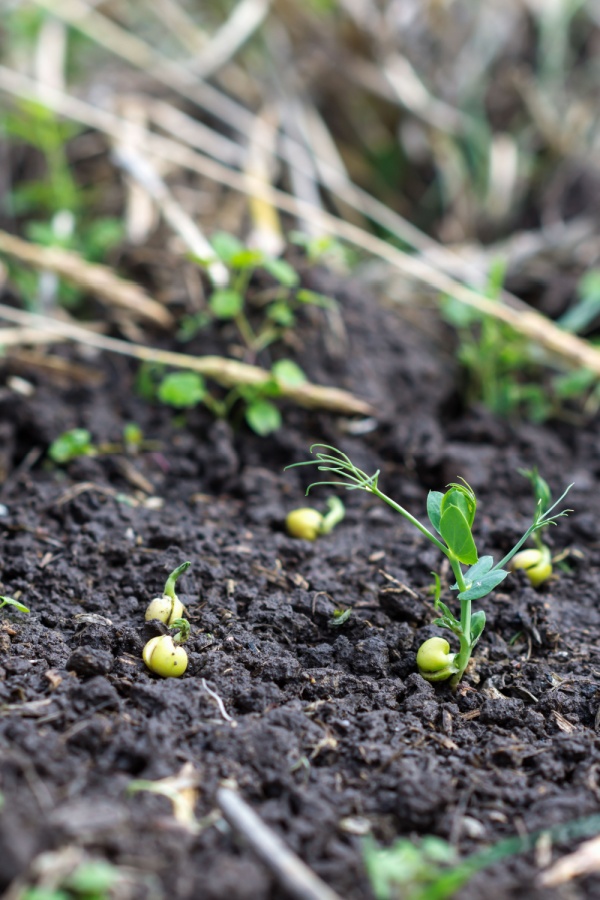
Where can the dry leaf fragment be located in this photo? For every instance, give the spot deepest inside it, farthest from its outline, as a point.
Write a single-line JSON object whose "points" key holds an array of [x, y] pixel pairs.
{"points": [[583, 861]]}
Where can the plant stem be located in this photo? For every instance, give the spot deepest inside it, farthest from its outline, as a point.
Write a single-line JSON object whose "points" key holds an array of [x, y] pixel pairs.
{"points": [[425, 531]]}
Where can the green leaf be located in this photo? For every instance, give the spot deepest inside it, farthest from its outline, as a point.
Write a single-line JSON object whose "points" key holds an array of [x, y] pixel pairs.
{"points": [[541, 488], [280, 313], [182, 390], [340, 616], [477, 626], [132, 435], [315, 299], [70, 445], [463, 498], [263, 417], [94, 877], [281, 271], [9, 601], [434, 508], [226, 303], [455, 530], [226, 245], [246, 259], [484, 585], [288, 373], [481, 568], [447, 613]]}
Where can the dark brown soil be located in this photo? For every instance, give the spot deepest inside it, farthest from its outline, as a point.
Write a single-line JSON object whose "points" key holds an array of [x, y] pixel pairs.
{"points": [[331, 723]]}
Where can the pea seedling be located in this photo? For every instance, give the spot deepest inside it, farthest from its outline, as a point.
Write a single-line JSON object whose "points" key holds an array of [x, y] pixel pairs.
{"points": [[451, 514], [309, 524], [536, 563]]}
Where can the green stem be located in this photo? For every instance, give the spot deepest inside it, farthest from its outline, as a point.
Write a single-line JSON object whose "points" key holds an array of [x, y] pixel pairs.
{"points": [[404, 512], [169, 590], [464, 653], [336, 513]]}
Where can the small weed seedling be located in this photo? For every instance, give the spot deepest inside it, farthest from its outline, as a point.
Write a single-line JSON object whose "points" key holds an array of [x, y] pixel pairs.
{"points": [[451, 514], [430, 869]]}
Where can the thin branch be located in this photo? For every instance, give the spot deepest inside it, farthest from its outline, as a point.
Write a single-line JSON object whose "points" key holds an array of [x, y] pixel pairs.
{"points": [[524, 320], [146, 176], [98, 280], [245, 19], [226, 372], [294, 875]]}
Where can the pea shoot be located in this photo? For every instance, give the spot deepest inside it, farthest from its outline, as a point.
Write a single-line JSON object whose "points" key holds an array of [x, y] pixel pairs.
{"points": [[10, 601], [169, 607], [451, 514], [535, 562], [309, 524]]}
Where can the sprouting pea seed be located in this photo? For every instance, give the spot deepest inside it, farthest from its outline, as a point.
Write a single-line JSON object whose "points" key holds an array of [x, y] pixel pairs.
{"points": [[304, 523], [164, 657], [435, 661], [165, 609], [536, 564]]}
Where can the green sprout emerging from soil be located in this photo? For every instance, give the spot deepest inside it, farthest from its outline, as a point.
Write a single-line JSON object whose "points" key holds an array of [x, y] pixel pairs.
{"points": [[10, 601], [164, 654], [451, 514], [309, 524]]}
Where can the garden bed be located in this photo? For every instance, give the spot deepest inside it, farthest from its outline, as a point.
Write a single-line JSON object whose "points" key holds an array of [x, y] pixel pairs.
{"points": [[326, 729]]}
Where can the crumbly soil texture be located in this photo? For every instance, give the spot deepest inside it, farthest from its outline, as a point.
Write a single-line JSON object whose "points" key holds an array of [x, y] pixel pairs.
{"points": [[323, 724]]}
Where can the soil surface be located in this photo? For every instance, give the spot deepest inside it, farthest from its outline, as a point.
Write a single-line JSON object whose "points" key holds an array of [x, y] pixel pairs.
{"points": [[329, 731]]}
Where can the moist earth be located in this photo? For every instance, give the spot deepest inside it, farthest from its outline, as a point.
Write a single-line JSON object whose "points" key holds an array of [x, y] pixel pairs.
{"points": [[325, 727]]}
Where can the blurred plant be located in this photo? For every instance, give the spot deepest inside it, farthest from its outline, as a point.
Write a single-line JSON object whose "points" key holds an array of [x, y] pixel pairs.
{"points": [[78, 442], [59, 207], [500, 366], [278, 305], [507, 373], [10, 601], [430, 869], [91, 880], [185, 390]]}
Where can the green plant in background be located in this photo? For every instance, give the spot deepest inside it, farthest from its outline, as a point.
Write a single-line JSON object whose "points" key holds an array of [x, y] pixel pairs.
{"points": [[92, 880], [506, 372], [56, 203], [452, 515], [184, 390], [500, 365], [278, 305], [78, 442], [10, 601], [429, 868]]}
